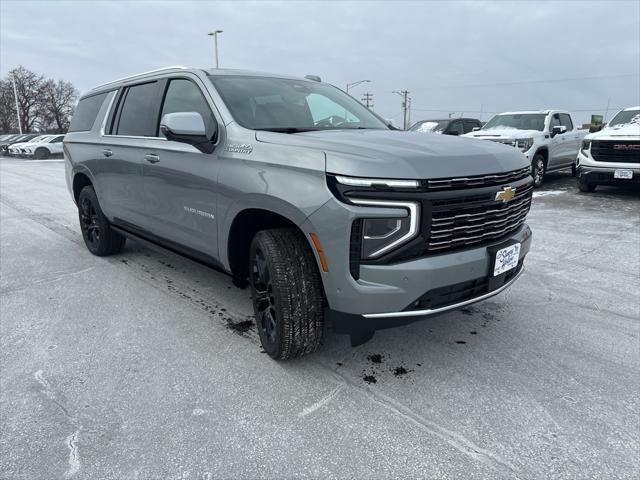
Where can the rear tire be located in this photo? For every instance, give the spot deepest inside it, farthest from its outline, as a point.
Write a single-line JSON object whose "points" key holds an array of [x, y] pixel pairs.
{"points": [[287, 293], [99, 237], [41, 154], [538, 169]]}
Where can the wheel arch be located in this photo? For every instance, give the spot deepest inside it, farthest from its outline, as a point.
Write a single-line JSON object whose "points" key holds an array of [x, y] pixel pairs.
{"points": [[544, 151], [245, 224], [81, 179]]}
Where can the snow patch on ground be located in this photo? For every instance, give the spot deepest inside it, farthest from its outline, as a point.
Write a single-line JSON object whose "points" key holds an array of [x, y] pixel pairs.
{"points": [[548, 193]]}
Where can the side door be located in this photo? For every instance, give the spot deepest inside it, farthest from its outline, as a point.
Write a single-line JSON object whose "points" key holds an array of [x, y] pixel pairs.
{"points": [[556, 143], [55, 145], [179, 181], [571, 140], [130, 131]]}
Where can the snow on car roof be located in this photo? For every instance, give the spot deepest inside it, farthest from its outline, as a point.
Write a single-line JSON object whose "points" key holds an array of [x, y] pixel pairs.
{"points": [[630, 109]]}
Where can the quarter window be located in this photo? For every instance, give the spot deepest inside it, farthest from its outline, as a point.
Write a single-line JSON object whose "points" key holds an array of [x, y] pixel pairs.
{"points": [[86, 112], [185, 96], [139, 112]]}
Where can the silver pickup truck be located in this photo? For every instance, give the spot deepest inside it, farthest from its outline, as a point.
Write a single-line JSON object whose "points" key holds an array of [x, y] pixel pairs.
{"points": [[548, 138], [294, 187]]}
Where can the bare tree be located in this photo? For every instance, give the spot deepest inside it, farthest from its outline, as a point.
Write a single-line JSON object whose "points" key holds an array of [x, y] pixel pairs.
{"points": [[8, 118], [29, 88], [57, 102]]}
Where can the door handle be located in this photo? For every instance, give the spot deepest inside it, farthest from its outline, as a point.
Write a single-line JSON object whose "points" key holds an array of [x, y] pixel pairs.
{"points": [[152, 158], [106, 152]]}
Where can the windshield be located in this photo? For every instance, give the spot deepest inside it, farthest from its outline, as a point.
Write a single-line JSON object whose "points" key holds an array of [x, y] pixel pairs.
{"points": [[430, 126], [39, 139], [278, 104], [518, 121], [624, 117]]}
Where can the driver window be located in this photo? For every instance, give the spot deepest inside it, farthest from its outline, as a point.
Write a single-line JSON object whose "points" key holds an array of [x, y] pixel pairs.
{"points": [[327, 111], [184, 96], [555, 121], [456, 126]]}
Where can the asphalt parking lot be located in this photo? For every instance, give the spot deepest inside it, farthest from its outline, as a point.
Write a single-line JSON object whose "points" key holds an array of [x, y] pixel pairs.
{"points": [[143, 365]]}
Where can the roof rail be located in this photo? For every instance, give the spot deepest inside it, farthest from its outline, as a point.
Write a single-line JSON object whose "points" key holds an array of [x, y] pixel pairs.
{"points": [[131, 77]]}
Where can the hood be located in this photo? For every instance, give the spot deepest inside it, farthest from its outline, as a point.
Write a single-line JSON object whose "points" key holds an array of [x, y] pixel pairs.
{"points": [[623, 130], [401, 154], [503, 133]]}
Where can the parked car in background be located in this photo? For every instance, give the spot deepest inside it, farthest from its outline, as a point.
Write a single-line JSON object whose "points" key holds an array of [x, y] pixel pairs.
{"points": [[4, 146], [44, 148], [15, 148], [295, 187], [548, 138], [612, 155], [449, 126]]}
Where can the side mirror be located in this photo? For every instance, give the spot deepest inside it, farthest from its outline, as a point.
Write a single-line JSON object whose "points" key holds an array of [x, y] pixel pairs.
{"points": [[595, 128], [186, 127], [475, 129], [557, 130]]}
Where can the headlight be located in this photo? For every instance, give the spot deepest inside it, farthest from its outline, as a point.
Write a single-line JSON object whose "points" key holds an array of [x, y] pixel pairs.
{"points": [[381, 235], [586, 146], [524, 144], [376, 182]]}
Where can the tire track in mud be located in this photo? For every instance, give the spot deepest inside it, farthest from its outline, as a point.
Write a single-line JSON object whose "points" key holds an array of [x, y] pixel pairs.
{"points": [[162, 277]]}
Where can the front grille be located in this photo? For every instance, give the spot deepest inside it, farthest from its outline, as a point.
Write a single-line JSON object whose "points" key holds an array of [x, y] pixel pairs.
{"points": [[467, 221], [615, 151], [477, 180]]}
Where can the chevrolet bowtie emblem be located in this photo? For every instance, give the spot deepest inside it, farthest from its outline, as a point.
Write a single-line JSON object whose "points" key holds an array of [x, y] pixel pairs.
{"points": [[506, 194]]}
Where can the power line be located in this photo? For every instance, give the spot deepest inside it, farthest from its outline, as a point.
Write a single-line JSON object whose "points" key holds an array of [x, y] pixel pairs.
{"points": [[529, 82], [470, 110]]}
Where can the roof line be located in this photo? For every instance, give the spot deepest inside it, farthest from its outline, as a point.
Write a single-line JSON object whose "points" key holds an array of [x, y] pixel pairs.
{"points": [[131, 77]]}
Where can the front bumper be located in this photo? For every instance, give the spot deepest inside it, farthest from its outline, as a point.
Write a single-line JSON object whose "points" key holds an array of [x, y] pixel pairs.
{"points": [[384, 293], [602, 173]]}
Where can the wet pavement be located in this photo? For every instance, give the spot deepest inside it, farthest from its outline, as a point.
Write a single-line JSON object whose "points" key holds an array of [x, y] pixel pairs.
{"points": [[146, 365]]}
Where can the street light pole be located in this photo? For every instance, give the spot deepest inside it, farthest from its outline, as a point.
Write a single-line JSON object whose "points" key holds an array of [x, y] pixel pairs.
{"points": [[351, 85], [214, 34], [15, 94]]}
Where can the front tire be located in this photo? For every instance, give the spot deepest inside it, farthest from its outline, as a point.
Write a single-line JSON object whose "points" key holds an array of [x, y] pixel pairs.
{"points": [[41, 154], [287, 294], [538, 170], [99, 237]]}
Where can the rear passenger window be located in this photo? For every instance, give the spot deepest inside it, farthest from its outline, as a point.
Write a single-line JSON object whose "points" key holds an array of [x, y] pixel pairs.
{"points": [[86, 112], [185, 96], [139, 112]]}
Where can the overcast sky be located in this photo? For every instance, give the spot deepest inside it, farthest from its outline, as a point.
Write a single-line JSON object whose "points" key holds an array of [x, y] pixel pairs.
{"points": [[459, 57]]}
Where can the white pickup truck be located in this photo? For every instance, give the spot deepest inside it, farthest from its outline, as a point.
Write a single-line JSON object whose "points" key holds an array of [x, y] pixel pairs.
{"points": [[548, 138], [612, 155]]}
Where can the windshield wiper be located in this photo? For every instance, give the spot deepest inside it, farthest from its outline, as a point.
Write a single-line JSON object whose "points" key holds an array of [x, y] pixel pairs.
{"points": [[287, 129]]}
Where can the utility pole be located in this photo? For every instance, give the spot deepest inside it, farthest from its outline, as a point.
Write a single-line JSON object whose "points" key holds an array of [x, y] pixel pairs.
{"points": [[214, 34], [406, 107], [367, 99], [15, 94]]}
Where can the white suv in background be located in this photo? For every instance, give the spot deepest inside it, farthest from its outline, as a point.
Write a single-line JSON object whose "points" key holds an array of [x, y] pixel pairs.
{"points": [[15, 149], [612, 155], [43, 148]]}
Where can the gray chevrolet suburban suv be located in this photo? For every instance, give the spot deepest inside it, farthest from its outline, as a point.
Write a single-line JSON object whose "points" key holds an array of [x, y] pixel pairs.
{"points": [[294, 186]]}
